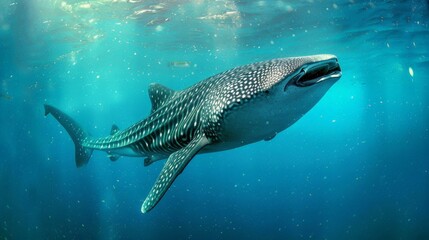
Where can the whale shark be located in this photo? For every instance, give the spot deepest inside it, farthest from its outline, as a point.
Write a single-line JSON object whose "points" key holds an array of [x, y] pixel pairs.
{"points": [[234, 108]]}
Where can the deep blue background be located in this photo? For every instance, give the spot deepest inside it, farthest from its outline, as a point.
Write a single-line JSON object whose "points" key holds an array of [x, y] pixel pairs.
{"points": [[356, 166]]}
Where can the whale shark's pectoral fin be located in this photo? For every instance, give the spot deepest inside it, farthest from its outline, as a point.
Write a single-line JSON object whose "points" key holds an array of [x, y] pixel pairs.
{"points": [[172, 168]]}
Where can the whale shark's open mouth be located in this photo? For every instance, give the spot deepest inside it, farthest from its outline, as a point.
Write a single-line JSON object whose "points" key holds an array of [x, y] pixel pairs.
{"points": [[317, 72]]}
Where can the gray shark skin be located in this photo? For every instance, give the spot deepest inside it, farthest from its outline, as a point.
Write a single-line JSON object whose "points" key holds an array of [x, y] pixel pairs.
{"points": [[231, 109]]}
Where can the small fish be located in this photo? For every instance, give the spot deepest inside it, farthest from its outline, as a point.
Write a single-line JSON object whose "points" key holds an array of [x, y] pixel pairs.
{"points": [[6, 96], [157, 21], [180, 64]]}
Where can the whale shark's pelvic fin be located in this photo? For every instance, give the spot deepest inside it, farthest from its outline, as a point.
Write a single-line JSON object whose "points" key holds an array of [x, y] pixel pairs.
{"points": [[159, 94], [78, 135], [172, 168], [151, 159], [113, 157]]}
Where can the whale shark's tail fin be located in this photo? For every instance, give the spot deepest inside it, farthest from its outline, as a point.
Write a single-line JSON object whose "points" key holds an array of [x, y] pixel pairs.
{"points": [[78, 135]]}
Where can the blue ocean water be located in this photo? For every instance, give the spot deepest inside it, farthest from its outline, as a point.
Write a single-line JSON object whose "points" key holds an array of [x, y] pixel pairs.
{"points": [[355, 167]]}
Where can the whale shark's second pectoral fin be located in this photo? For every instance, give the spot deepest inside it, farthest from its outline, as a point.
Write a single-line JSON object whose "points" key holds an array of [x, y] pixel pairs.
{"points": [[172, 168]]}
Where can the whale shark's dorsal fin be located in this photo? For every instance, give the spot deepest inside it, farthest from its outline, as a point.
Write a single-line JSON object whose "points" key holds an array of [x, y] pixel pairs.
{"points": [[172, 168], [159, 94], [114, 129]]}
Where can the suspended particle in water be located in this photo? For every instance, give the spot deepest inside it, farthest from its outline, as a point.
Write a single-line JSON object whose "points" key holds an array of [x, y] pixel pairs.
{"points": [[411, 71]]}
